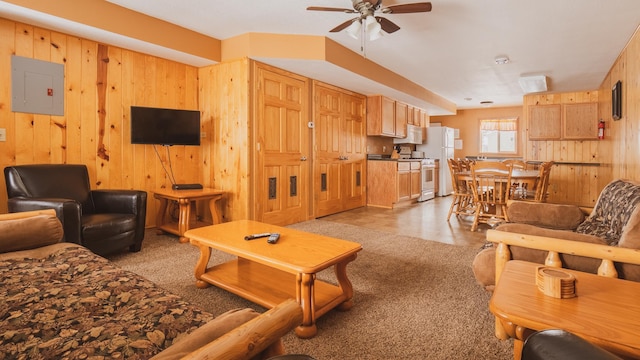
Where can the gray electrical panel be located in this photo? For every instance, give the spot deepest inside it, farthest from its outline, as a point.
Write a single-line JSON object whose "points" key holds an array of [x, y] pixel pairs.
{"points": [[37, 86]]}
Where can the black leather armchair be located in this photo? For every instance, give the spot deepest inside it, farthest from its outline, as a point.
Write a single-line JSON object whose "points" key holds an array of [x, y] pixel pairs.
{"points": [[556, 344], [104, 221]]}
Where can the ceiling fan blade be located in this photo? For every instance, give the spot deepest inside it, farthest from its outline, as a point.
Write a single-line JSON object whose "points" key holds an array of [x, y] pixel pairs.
{"points": [[407, 8], [342, 26], [387, 25], [320, 8]]}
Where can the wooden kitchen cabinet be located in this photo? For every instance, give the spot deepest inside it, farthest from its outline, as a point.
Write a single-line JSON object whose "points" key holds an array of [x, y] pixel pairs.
{"points": [[416, 180], [381, 115], [404, 181], [402, 119], [567, 121], [386, 117], [580, 121], [545, 122], [392, 182]]}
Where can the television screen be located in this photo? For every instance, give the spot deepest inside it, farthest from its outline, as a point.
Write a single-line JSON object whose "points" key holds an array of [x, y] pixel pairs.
{"points": [[164, 126]]}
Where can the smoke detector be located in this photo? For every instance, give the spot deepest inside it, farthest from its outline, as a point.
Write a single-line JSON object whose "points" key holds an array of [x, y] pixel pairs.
{"points": [[501, 60]]}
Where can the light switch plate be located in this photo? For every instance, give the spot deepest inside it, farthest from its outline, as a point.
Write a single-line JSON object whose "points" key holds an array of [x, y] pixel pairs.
{"points": [[3, 134]]}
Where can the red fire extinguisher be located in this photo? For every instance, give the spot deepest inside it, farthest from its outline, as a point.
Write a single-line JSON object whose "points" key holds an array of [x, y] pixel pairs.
{"points": [[601, 130]]}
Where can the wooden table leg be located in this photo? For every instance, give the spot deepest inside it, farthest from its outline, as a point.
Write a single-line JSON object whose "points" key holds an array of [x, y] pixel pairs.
{"points": [[345, 284], [160, 216], [201, 265], [304, 295], [215, 215], [183, 219]]}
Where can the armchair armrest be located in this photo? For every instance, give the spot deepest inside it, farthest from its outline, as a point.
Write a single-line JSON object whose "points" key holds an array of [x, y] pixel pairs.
{"points": [[118, 201], [67, 211]]}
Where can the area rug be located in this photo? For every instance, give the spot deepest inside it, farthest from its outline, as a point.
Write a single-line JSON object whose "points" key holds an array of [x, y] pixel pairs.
{"points": [[413, 298]]}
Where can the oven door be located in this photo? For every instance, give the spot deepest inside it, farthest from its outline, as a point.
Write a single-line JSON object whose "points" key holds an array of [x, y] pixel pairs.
{"points": [[428, 182]]}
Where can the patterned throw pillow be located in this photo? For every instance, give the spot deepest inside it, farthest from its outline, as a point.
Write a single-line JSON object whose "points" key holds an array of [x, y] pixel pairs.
{"points": [[612, 212]]}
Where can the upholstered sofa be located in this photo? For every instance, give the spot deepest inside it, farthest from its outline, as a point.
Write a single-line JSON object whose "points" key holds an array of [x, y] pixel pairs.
{"points": [[62, 301], [569, 236]]}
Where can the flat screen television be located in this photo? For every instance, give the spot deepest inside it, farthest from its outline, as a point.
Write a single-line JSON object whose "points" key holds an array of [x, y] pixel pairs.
{"points": [[164, 126]]}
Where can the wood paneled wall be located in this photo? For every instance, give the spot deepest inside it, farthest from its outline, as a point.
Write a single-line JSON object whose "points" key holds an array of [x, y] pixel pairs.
{"points": [[101, 83], [578, 183], [225, 103], [622, 137]]}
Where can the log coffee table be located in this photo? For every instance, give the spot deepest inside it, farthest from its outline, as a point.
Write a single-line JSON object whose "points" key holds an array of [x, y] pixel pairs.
{"points": [[604, 312], [267, 274]]}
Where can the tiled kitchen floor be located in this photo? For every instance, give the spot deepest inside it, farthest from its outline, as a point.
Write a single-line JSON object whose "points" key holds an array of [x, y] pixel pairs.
{"points": [[427, 220]]}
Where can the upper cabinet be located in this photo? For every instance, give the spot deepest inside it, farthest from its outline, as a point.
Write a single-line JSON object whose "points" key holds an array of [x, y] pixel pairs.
{"points": [[544, 122], [381, 114], [566, 121], [402, 114], [388, 117], [580, 121]]}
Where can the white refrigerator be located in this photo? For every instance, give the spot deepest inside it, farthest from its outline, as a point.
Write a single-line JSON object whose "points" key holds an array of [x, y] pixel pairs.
{"points": [[439, 145]]}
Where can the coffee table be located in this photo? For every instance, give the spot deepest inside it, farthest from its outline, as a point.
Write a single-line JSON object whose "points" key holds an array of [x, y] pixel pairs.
{"points": [[604, 312], [267, 274]]}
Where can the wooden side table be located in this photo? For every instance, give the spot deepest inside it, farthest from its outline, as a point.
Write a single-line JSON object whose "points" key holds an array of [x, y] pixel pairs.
{"points": [[604, 312], [185, 198]]}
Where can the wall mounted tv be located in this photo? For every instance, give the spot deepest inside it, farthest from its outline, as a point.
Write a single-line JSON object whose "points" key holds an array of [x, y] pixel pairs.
{"points": [[164, 126]]}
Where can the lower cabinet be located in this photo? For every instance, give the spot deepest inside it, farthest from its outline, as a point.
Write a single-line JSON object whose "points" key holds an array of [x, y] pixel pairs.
{"points": [[392, 182]]}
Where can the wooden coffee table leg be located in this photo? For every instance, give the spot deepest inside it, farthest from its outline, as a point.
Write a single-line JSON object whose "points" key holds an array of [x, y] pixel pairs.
{"points": [[201, 265], [345, 284], [183, 218], [304, 290]]}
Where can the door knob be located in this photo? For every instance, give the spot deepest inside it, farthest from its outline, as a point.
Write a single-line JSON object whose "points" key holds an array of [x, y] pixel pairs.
{"points": [[304, 158]]}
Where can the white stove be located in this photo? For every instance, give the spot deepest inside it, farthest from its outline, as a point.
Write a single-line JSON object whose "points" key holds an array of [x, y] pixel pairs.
{"points": [[428, 175]]}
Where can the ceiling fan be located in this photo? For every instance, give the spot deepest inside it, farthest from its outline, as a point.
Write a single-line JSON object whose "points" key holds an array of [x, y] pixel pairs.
{"points": [[366, 10]]}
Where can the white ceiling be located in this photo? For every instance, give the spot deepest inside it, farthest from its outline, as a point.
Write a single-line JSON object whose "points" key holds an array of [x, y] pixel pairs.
{"points": [[450, 51]]}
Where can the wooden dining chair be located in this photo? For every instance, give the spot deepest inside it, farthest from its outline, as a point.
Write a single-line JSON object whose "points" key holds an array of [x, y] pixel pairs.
{"points": [[516, 164], [462, 197], [541, 191], [491, 188]]}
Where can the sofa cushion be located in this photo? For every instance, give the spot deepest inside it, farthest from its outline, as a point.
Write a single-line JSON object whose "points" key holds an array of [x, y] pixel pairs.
{"points": [[631, 234], [551, 216], [29, 233], [614, 209], [75, 304]]}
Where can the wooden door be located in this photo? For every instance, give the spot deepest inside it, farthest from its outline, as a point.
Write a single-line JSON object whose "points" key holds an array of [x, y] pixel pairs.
{"points": [[354, 151], [340, 136], [282, 146], [329, 136]]}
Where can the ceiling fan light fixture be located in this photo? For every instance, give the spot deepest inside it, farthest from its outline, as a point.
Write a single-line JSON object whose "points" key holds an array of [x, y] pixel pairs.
{"points": [[375, 35], [373, 28], [354, 29]]}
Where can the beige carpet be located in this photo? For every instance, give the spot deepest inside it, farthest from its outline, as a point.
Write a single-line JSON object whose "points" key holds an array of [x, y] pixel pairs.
{"points": [[414, 299]]}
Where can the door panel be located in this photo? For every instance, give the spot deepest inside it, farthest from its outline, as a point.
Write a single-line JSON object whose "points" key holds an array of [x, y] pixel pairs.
{"points": [[340, 135], [282, 144], [328, 138]]}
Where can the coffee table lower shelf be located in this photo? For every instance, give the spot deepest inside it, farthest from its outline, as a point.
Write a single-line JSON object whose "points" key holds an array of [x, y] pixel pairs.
{"points": [[268, 287]]}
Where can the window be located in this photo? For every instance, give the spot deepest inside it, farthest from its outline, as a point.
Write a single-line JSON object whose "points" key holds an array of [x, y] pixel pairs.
{"points": [[499, 136]]}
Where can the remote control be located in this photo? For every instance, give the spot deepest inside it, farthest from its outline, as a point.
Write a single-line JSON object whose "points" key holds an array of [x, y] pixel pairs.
{"points": [[273, 238], [257, 236]]}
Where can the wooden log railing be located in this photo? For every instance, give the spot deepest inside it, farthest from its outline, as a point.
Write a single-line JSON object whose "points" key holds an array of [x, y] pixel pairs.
{"points": [[607, 254]]}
